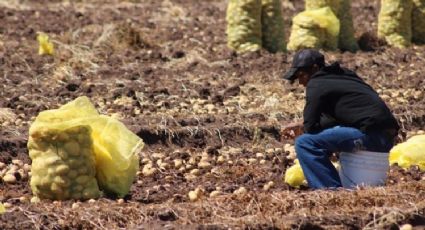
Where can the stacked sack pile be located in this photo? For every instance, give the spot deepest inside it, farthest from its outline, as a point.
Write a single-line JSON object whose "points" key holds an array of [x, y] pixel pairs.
{"points": [[319, 27], [402, 21], [252, 24], [77, 153]]}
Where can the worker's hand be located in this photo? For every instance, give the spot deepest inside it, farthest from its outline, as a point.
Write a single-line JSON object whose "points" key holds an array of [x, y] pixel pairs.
{"points": [[292, 130]]}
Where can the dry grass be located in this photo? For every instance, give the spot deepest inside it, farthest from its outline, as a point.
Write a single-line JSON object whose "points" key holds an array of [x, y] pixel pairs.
{"points": [[372, 208]]}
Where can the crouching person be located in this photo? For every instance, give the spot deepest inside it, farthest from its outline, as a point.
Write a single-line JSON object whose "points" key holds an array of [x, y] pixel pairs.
{"points": [[342, 113]]}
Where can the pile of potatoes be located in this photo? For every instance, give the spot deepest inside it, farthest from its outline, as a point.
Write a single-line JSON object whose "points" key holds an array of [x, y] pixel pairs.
{"points": [[63, 164], [17, 170]]}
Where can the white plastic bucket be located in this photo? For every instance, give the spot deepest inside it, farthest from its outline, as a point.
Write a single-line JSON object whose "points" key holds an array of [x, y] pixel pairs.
{"points": [[363, 168]]}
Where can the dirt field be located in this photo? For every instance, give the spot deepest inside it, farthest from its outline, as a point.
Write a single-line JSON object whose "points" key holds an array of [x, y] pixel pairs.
{"points": [[163, 68]]}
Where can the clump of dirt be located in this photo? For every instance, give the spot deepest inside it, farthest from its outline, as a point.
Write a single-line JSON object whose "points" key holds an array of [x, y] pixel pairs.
{"points": [[370, 42]]}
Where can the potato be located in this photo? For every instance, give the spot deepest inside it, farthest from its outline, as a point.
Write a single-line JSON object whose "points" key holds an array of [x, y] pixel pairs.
{"points": [[45, 181], [63, 154], [62, 137], [73, 148], [82, 180], [72, 174], [78, 188], [75, 163], [51, 171], [84, 140], [83, 171], [55, 188], [53, 160], [62, 169], [9, 178], [61, 181]]}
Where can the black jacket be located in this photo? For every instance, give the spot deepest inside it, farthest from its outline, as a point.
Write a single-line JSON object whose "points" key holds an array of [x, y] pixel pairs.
{"points": [[337, 96]]}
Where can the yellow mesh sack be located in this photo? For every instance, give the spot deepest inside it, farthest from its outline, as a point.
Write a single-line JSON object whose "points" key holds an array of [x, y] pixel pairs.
{"points": [[411, 152], [317, 29], [63, 165], [418, 22], [342, 9], [114, 147], [395, 22], [294, 175], [273, 33], [244, 25]]}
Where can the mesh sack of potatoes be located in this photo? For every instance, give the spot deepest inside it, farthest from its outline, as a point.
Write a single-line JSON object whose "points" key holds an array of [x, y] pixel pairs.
{"points": [[395, 22], [114, 147], [342, 9], [63, 165], [244, 25], [418, 22], [347, 40], [317, 29], [272, 26]]}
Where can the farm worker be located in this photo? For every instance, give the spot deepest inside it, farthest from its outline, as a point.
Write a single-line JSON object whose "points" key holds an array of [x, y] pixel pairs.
{"points": [[342, 113]]}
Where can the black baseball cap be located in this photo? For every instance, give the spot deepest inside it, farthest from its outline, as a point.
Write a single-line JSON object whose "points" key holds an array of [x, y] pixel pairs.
{"points": [[304, 58]]}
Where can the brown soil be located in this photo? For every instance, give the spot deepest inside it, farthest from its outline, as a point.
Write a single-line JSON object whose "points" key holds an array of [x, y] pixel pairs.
{"points": [[163, 68]]}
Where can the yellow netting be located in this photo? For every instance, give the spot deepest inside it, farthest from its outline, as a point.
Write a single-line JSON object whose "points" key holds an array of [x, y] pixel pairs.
{"points": [[244, 25], [314, 29], [63, 165], [114, 147], [395, 22], [294, 175], [418, 22], [411, 152], [272, 26], [342, 9]]}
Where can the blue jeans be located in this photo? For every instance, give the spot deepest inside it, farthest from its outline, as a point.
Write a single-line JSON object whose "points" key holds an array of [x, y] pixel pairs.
{"points": [[313, 152]]}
